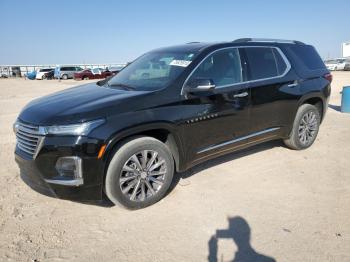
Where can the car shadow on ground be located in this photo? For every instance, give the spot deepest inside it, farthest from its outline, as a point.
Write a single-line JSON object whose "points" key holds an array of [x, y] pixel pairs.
{"points": [[223, 159], [198, 168], [336, 108], [239, 232]]}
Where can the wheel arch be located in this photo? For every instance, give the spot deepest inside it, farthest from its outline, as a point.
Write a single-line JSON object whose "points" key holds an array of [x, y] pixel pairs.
{"points": [[316, 100], [164, 132]]}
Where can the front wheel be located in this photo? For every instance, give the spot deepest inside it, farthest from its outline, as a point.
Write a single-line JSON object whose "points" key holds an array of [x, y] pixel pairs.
{"points": [[139, 173], [64, 77], [305, 128]]}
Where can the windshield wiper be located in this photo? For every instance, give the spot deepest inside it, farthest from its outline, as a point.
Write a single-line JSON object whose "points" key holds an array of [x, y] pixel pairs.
{"points": [[124, 86]]}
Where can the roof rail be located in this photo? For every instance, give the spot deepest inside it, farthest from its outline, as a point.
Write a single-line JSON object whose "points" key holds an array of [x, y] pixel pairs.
{"points": [[192, 43], [267, 40]]}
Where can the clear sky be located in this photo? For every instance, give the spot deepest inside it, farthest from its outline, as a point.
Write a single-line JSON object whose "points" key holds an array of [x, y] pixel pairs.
{"points": [[75, 31]]}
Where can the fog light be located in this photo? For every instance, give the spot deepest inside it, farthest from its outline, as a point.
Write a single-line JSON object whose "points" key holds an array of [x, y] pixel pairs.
{"points": [[69, 167]]}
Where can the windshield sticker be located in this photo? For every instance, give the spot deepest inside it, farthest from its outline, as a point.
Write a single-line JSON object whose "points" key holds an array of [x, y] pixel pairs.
{"points": [[182, 63]]}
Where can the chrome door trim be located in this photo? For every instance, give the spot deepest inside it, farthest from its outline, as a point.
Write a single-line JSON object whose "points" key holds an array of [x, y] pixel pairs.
{"points": [[237, 140], [285, 59]]}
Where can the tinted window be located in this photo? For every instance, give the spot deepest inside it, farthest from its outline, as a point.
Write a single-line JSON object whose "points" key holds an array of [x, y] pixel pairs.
{"points": [[262, 62], [309, 56], [45, 70], [223, 67], [67, 68]]}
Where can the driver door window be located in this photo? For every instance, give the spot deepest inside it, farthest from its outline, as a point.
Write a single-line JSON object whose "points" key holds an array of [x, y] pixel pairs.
{"points": [[223, 67]]}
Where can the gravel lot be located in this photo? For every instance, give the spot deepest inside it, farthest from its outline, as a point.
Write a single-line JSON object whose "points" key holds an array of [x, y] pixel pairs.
{"points": [[295, 205]]}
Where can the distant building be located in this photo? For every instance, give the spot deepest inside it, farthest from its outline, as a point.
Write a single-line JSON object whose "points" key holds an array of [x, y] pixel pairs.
{"points": [[346, 49]]}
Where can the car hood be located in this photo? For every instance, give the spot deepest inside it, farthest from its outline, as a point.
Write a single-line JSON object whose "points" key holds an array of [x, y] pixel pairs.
{"points": [[77, 104]]}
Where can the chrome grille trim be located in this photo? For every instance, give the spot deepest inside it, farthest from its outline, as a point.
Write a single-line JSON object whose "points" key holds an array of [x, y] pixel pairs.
{"points": [[26, 138], [29, 138], [25, 150]]}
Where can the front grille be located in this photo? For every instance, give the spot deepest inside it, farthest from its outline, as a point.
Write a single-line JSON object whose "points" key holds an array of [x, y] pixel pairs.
{"points": [[29, 138]]}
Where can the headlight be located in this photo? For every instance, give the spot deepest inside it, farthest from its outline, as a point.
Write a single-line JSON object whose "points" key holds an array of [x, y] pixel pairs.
{"points": [[75, 129]]}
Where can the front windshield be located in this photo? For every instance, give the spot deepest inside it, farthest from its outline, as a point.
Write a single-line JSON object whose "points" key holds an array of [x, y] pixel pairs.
{"points": [[152, 71]]}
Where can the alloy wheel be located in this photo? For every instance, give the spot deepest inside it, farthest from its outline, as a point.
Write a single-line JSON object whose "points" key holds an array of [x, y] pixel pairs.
{"points": [[308, 128], [142, 175]]}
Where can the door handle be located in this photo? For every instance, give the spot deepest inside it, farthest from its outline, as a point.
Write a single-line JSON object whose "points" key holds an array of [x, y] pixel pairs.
{"points": [[244, 94]]}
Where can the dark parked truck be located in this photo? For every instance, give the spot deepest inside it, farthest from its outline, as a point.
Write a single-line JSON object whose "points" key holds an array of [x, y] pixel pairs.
{"points": [[170, 109]]}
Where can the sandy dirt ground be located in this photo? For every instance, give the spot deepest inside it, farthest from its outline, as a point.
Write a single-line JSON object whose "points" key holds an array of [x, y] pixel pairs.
{"points": [[266, 202]]}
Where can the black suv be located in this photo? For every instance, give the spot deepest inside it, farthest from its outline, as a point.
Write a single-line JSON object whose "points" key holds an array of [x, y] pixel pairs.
{"points": [[170, 109]]}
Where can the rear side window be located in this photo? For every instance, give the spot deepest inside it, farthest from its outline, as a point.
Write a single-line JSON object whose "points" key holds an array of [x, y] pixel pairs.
{"points": [[265, 62], [67, 68], [309, 56]]}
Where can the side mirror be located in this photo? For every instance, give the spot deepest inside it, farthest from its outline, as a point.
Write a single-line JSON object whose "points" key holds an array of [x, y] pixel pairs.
{"points": [[200, 85]]}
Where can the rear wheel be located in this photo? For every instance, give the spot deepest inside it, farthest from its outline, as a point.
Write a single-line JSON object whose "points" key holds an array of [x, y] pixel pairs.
{"points": [[305, 128], [64, 77], [85, 78], [139, 173]]}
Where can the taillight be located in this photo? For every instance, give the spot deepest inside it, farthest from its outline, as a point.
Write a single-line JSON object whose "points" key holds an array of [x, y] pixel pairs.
{"points": [[329, 77]]}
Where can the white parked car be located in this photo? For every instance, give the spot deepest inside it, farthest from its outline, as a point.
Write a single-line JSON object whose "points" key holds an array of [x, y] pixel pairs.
{"points": [[40, 74], [338, 64]]}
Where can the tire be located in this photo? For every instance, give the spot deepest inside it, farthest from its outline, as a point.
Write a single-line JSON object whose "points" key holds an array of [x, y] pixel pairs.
{"points": [[43, 77], [85, 78], [307, 121], [122, 176], [64, 77]]}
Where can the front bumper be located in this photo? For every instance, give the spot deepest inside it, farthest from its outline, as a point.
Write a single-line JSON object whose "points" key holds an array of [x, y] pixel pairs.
{"points": [[41, 175]]}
